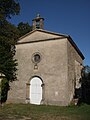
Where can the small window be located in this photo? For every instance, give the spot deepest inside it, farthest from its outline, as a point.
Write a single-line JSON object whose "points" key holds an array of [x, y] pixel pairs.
{"points": [[36, 58]]}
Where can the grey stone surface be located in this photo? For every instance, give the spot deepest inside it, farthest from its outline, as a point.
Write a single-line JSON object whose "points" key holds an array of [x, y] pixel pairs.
{"points": [[56, 68]]}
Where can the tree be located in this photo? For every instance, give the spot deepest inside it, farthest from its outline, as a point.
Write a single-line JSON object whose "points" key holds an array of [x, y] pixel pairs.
{"points": [[86, 84], [24, 28], [8, 37], [8, 8]]}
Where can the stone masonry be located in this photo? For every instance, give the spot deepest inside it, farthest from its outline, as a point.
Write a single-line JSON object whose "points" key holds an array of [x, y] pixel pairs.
{"points": [[57, 68]]}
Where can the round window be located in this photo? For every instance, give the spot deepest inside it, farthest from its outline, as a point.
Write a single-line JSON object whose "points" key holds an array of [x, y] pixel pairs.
{"points": [[36, 58]]}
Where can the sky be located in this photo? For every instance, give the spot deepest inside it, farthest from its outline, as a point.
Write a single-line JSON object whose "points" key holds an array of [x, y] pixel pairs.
{"points": [[70, 17]]}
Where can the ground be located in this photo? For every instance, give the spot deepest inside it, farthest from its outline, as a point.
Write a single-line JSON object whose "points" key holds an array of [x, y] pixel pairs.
{"points": [[42, 112]]}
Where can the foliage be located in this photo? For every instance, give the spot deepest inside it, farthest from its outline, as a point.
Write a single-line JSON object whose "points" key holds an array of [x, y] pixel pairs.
{"points": [[10, 32], [8, 37], [24, 28], [4, 89], [8, 8], [86, 84]]}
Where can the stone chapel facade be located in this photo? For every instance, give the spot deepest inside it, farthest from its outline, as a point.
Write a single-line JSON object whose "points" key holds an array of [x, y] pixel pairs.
{"points": [[49, 68]]}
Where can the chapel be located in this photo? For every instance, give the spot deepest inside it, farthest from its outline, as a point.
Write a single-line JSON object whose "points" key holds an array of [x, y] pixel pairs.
{"points": [[49, 68]]}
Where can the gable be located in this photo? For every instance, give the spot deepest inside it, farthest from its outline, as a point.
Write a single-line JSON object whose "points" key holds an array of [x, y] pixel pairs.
{"points": [[38, 35]]}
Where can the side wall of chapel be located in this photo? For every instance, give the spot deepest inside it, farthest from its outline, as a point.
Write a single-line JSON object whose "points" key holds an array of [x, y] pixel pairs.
{"points": [[75, 64]]}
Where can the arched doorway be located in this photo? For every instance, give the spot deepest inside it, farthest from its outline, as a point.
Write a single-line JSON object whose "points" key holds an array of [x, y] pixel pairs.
{"points": [[35, 90]]}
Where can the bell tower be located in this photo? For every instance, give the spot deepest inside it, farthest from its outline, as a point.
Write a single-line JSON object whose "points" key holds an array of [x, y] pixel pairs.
{"points": [[38, 22]]}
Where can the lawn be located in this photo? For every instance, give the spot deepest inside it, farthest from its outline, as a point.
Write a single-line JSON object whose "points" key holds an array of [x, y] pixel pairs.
{"points": [[42, 112]]}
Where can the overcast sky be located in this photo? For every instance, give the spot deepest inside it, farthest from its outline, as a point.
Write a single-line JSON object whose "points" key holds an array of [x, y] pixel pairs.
{"points": [[71, 17]]}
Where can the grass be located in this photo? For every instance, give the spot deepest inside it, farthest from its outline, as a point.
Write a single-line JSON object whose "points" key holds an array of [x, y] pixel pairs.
{"points": [[42, 112]]}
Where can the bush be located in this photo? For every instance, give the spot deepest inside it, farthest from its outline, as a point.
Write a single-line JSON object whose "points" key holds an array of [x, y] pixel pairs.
{"points": [[4, 89]]}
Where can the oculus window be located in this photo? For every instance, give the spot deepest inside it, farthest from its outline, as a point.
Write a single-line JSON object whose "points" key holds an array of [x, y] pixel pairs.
{"points": [[36, 58]]}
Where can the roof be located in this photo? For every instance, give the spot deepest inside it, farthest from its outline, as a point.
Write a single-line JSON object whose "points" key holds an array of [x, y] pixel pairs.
{"points": [[51, 37]]}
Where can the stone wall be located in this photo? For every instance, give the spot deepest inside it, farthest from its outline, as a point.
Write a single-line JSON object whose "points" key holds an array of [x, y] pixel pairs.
{"points": [[73, 56], [57, 68], [52, 69]]}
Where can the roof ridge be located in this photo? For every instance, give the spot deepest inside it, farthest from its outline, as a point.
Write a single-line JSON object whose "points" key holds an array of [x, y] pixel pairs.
{"points": [[60, 34]]}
